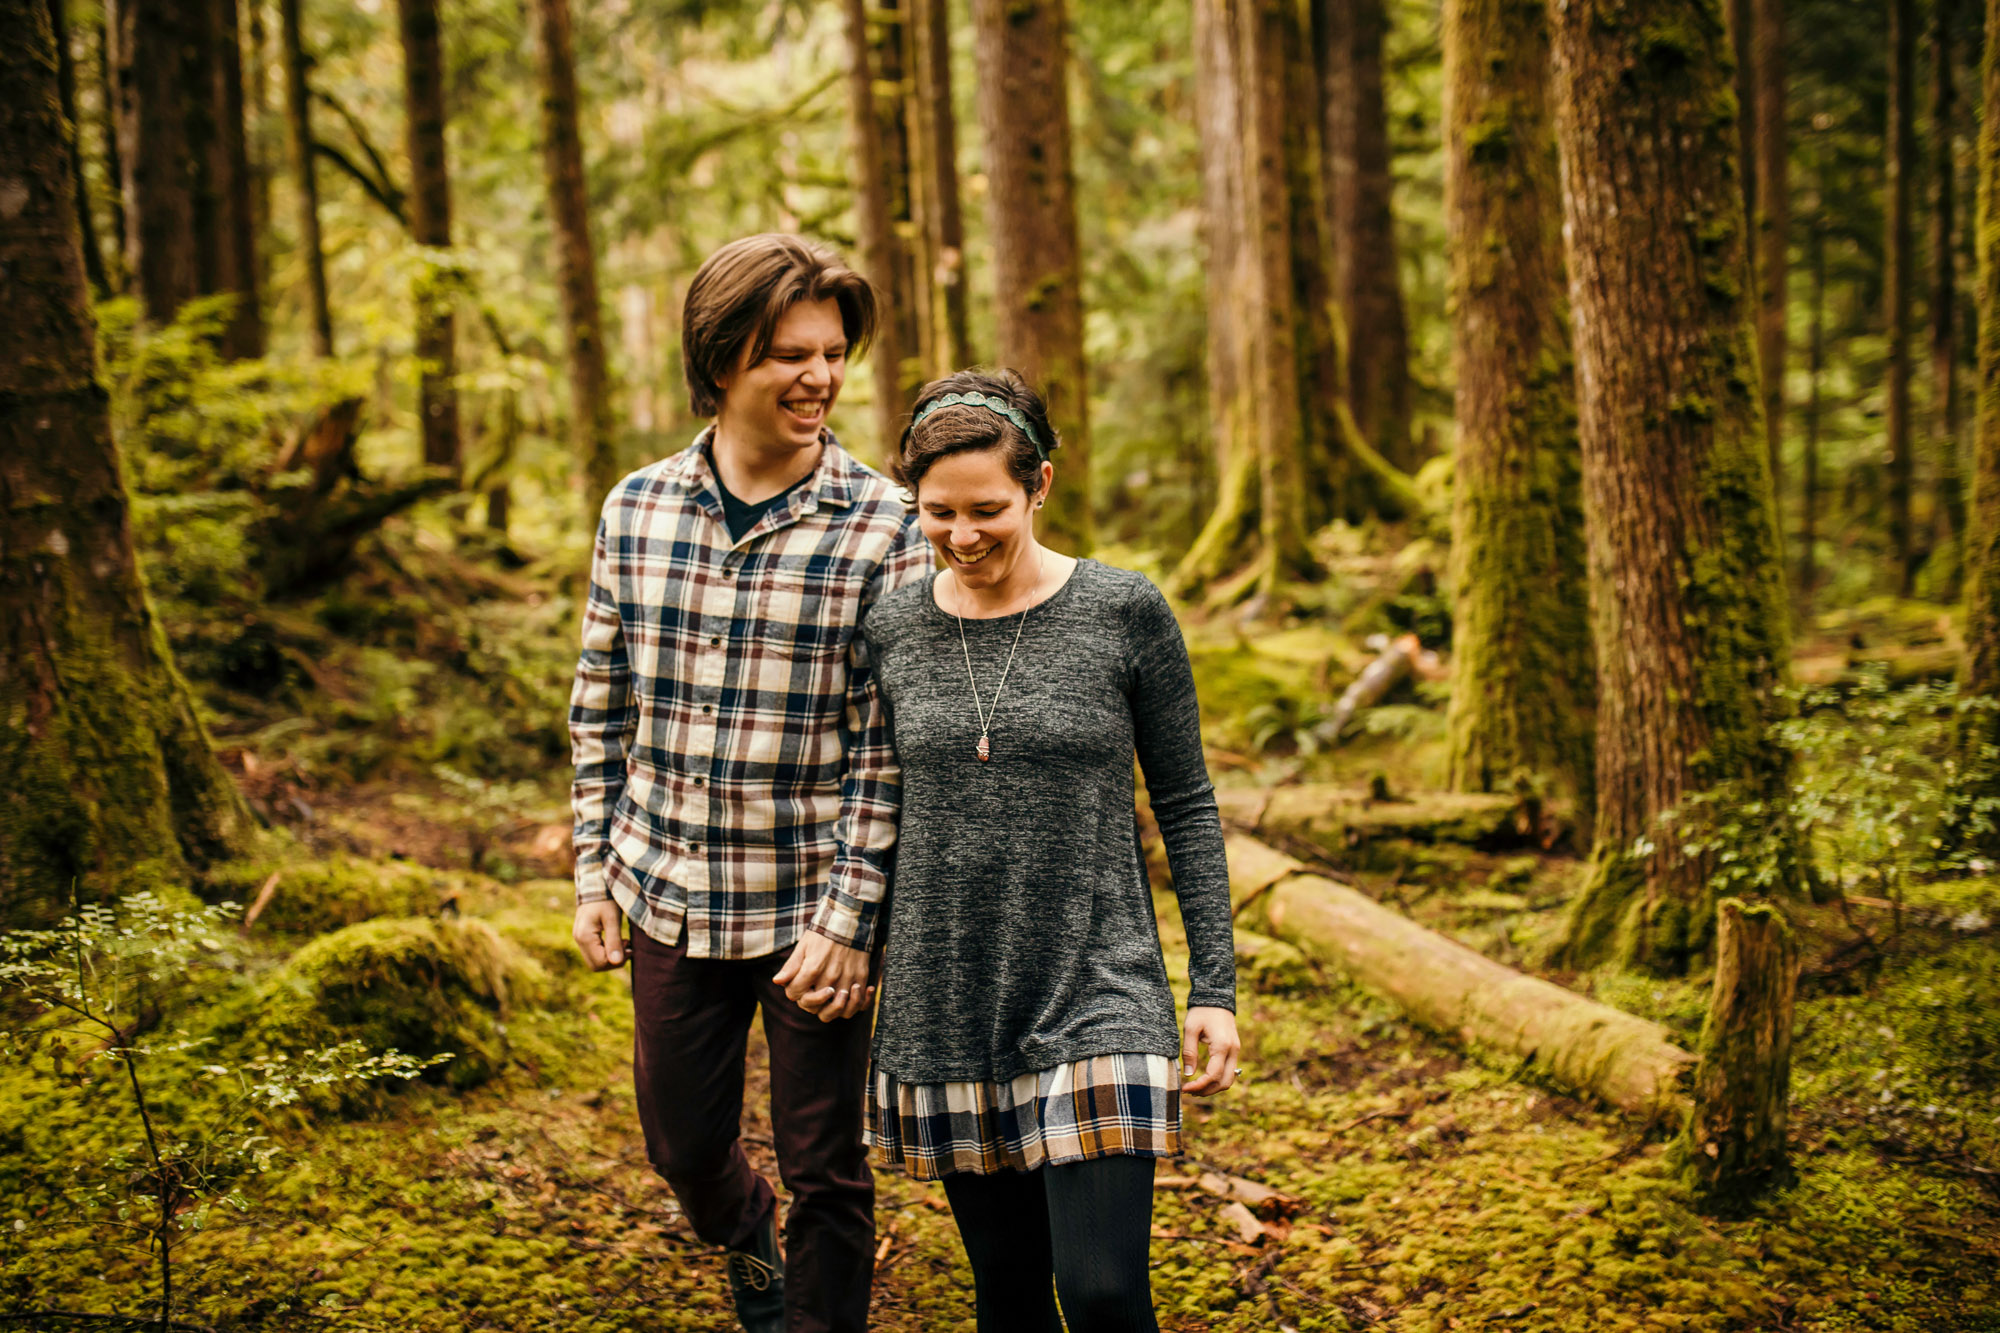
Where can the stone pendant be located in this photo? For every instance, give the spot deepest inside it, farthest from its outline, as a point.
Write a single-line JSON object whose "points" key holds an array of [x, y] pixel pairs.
{"points": [[985, 751]]}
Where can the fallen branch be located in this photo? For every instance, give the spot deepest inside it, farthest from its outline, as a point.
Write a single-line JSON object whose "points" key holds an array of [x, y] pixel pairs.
{"points": [[1454, 990]]}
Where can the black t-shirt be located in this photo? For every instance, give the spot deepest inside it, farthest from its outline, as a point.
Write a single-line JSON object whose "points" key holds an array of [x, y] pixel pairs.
{"points": [[742, 516]]}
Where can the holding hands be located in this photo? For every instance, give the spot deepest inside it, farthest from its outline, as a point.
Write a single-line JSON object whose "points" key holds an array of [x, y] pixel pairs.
{"points": [[826, 978]]}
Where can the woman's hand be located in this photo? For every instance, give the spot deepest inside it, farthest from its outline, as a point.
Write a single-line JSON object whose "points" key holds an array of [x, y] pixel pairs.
{"points": [[825, 978], [1215, 1029]]}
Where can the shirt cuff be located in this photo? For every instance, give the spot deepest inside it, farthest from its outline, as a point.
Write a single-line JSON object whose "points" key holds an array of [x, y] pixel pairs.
{"points": [[844, 922], [591, 885]]}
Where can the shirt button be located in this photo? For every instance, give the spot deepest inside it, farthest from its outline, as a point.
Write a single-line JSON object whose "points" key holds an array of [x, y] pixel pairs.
{"points": [[706, 709], [715, 641], [694, 849], [700, 781]]}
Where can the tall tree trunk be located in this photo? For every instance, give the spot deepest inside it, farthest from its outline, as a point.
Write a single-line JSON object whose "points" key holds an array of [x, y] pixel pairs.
{"points": [[235, 235], [1038, 297], [1816, 372], [937, 135], [1742, 51], [576, 260], [107, 112], [1334, 485], [1687, 590], [298, 130], [1900, 143], [1360, 224], [110, 779], [430, 225], [1979, 674], [93, 256], [159, 159], [257, 99], [1523, 691], [1256, 395], [1948, 516], [1772, 222], [883, 197]]}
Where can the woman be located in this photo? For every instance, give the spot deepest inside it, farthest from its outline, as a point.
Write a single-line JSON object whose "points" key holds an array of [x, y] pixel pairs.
{"points": [[1024, 1049]]}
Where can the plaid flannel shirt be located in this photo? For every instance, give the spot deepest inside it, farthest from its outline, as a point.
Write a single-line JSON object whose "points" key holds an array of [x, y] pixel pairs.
{"points": [[734, 772]]}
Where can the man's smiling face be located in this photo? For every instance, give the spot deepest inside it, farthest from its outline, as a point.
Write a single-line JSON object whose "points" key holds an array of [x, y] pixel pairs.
{"points": [[782, 401]]}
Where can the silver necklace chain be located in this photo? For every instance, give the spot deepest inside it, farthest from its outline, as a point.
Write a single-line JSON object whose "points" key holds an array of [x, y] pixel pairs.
{"points": [[986, 714]]}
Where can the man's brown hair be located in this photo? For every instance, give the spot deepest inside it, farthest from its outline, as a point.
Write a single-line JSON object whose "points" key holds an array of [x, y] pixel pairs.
{"points": [[745, 288]]}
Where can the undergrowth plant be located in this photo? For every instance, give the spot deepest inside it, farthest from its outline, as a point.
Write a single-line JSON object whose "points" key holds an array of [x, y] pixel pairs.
{"points": [[100, 988]]}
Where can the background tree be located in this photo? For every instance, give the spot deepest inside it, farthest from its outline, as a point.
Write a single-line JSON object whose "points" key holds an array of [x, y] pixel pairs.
{"points": [[1900, 148], [1360, 224], [1979, 670], [1031, 223], [163, 144], [1948, 515], [1688, 607], [576, 258], [430, 226], [1771, 220], [882, 201], [298, 128], [936, 156], [234, 239], [1522, 688], [93, 254], [110, 776]]}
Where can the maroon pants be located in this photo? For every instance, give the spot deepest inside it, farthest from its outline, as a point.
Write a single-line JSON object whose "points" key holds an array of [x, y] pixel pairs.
{"points": [[692, 1025]]}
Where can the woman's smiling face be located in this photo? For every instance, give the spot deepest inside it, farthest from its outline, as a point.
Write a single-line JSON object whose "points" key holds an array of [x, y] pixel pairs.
{"points": [[976, 515]]}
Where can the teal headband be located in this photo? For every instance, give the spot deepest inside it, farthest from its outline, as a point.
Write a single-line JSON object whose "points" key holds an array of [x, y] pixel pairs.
{"points": [[997, 405]]}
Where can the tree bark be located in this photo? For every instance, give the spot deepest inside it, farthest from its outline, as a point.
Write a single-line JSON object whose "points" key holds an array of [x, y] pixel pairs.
{"points": [[1523, 691], [1453, 990], [159, 159], [107, 111], [1367, 280], [235, 235], [1687, 589], [1949, 514], [298, 130], [93, 256], [1815, 374], [1900, 144], [1979, 676], [883, 198], [1742, 43], [937, 134], [111, 783], [430, 225], [257, 104], [1772, 222], [1257, 396], [1733, 1150], [576, 259], [1037, 275]]}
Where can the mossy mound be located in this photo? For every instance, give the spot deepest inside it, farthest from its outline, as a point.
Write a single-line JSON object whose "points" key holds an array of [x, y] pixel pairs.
{"points": [[415, 985], [314, 897]]}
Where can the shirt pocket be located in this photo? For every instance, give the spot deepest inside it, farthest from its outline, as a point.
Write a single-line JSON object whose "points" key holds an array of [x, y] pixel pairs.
{"points": [[805, 611]]}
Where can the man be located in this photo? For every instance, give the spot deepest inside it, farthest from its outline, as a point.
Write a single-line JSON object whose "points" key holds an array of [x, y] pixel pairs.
{"points": [[736, 792]]}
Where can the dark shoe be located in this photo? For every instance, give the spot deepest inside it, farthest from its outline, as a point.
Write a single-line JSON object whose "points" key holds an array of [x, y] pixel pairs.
{"points": [[757, 1280]]}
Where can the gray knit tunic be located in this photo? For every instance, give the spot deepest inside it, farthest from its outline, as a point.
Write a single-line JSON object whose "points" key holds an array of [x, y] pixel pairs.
{"points": [[1021, 932]]}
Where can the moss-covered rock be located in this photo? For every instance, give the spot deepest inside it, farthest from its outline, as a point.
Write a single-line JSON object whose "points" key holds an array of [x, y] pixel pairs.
{"points": [[419, 986], [314, 897]]}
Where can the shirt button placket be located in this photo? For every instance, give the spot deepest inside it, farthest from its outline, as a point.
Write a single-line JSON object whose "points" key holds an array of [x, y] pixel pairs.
{"points": [[718, 609]]}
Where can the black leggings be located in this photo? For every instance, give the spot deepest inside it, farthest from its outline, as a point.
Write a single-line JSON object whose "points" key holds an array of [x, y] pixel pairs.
{"points": [[1084, 1224]]}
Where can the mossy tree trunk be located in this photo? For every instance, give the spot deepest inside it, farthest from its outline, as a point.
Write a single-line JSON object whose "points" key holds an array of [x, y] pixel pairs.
{"points": [[93, 254], [882, 194], [1023, 48], [1257, 393], [161, 144], [1367, 278], [576, 259], [937, 155], [298, 131], [1687, 593], [430, 225], [1979, 676], [110, 781], [234, 237], [1733, 1149], [1900, 148], [1523, 691]]}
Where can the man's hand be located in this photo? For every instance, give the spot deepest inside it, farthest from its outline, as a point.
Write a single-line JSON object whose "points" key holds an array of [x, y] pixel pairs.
{"points": [[599, 933], [826, 978], [1215, 1028]]}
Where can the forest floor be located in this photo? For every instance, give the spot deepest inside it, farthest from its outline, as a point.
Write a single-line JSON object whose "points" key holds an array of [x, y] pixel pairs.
{"points": [[1431, 1189]]}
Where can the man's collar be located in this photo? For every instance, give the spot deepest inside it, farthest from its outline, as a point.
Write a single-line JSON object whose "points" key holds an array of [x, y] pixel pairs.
{"points": [[830, 483]]}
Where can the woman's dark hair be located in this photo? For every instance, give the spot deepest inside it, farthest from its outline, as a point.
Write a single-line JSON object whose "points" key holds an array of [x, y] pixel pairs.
{"points": [[960, 428], [745, 288]]}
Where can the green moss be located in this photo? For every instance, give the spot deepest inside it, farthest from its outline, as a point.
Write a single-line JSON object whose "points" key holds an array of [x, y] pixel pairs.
{"points": [[315, 897]]}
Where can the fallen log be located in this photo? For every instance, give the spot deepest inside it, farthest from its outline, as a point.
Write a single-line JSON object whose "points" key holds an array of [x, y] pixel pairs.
{"points": [[1576, 1042], [1344, 820]]}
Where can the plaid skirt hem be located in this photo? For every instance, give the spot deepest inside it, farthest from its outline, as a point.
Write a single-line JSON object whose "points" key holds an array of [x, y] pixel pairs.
{"points": [[1100, 1106]]}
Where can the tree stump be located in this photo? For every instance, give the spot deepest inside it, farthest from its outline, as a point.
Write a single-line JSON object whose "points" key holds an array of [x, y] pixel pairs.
{"points": [[1733, 1149]]}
